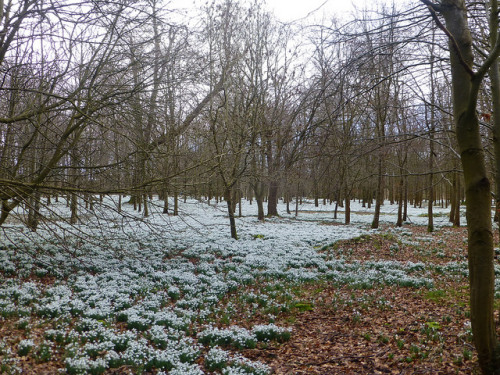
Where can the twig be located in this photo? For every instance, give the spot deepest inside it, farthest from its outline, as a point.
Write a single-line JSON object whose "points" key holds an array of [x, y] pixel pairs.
{"points": [[432, 10]]}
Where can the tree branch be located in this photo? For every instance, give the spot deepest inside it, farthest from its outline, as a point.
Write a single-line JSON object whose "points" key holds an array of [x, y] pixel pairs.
{"points": [[432, 9]]}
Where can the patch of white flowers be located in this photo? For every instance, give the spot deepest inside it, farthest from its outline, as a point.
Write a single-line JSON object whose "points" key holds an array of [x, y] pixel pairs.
{"points": [[25, 346], [163, 282]]}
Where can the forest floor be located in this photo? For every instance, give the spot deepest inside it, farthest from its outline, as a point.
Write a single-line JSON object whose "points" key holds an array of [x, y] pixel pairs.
{"points": [[341, 329], [383, 330]]}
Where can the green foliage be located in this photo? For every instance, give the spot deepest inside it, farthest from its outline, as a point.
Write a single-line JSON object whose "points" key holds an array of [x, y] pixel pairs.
{"points": [[272, 334], [435, 295], [400, 343], [467, 355], [43, 353], [383, 339], [22, 324], [303, 306]]}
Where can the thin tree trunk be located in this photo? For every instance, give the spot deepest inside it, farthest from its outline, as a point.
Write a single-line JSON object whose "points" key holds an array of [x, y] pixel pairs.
{"points": [[458, 198], [405, 203], [347, 208], [379, 194], [432, 127], [74, 209], [176, 202], [399, 222], [165, 202], [146, 207], [232, 221]]}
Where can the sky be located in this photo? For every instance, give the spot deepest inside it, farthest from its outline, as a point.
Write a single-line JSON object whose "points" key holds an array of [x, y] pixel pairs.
{"points": [[291, 10], [297, 10], [294, 10]]}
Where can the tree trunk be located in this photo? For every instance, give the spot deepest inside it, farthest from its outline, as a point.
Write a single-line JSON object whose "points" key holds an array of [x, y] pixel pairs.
{"points": [[240, 214], [399, 222], [405, 203], [146, 208], [258, 188], [379, 195], [232, 221], [466, 85], [74, 209], [458, 199], [347, 209], [495, 94], [453, 197], [432, 128], [272, 200], [176, 202], [34, 211]]}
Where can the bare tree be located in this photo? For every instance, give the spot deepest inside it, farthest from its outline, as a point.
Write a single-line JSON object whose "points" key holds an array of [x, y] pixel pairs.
{"points": [[466, 85]]}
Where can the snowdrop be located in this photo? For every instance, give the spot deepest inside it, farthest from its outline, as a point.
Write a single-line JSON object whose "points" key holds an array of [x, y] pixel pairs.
{"points": [[164, 284], [25, 346]]}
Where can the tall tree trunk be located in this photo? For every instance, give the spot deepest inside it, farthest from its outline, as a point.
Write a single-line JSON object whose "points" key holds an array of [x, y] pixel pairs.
{"points": [[495, 94], [34, 211], [466, 85], [165, 202], [405, 203], [347, 208], [458, 199], [379, 195], [176, 202], [232, 221], [272, 199], [432, 128], [453, 197], [258, 188], [399, 222], [146, 207], [74, 208]]}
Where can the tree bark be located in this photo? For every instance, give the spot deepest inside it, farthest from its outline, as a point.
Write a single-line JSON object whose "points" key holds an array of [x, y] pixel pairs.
{"points": [[405, 203], [465, 88], [232, 221], [258, 188], [272, 199], [399, 222], [495, 98], [379, 195]]}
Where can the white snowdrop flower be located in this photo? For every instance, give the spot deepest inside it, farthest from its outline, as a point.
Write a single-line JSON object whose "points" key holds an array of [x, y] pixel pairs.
{"points": [[185, 369], [217, 354], [26, 344]]}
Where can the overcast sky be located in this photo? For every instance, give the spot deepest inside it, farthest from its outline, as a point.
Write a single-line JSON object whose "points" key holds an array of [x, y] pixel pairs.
{"points": [[290, 10], [294, 10]]}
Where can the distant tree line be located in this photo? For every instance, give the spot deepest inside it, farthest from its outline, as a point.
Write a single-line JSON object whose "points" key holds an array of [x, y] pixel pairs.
{"points": [[129, 98]]}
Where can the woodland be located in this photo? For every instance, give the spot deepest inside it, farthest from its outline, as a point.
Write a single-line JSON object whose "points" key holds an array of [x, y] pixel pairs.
{"points": [[209, 189]]}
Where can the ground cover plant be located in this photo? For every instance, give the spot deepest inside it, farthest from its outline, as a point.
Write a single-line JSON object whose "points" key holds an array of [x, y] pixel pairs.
{"points": [[176, 295]]}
